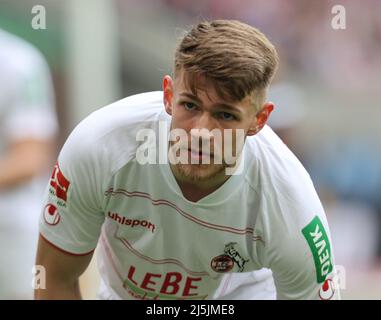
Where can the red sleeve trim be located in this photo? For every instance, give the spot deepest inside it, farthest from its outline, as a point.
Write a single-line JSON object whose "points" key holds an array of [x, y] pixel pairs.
{"points": [[64, 251]]}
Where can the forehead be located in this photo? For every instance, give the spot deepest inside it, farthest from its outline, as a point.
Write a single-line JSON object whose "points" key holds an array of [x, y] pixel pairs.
{"points": [[197, 84], [205, 89]]}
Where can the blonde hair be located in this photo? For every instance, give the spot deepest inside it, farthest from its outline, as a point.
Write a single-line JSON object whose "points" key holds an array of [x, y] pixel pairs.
{"points": [[236, 57]]}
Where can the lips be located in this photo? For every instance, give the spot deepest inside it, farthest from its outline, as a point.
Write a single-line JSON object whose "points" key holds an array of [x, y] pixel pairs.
{"points": [[199, 153]]}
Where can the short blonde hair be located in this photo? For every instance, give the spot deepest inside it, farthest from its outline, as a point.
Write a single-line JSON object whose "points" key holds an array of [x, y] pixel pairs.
{"points": [[236, 57]]}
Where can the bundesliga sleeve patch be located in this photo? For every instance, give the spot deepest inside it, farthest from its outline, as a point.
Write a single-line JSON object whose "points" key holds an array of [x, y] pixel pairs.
{"points": [[318, 242], [59, 184]]}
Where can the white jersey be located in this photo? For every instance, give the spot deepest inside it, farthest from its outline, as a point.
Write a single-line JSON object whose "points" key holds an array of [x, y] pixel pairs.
{"points": [[156, 244]]}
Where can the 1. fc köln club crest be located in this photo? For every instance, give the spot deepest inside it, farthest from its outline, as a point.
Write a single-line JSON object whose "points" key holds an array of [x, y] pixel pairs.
{"points": [[225, 262]]}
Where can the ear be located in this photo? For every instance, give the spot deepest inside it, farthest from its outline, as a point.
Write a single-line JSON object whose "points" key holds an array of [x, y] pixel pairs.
{"points": [[261, 118], [168, 93]]}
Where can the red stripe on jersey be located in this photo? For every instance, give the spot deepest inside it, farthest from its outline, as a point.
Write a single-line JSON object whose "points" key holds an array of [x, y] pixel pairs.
{"points": [[181, 212]]}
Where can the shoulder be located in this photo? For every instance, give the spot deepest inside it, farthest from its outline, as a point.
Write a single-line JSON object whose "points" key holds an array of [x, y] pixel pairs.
{"points": [[292, 222], [106, 138], [276, 172], [288, 197], [270, 152]]}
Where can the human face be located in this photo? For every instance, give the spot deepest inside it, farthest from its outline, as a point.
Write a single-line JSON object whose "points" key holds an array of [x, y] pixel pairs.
{"points": [[204, 109]]}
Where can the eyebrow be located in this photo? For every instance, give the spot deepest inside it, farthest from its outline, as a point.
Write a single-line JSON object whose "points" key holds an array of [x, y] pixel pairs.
{"points": [[219, 104]]}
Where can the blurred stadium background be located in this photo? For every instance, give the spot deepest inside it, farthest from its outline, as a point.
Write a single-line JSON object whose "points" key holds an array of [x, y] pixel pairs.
{"points": [[327, 92]]}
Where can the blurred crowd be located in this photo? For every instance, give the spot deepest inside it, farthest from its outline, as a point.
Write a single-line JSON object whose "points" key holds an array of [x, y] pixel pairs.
{"points": [[303, 34]]}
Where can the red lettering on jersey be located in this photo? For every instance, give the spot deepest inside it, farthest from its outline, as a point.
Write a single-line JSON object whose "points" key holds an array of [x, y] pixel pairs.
{"points": [[188, 286], [168, 282], [131, 274], [147, 280], [59, 183]]}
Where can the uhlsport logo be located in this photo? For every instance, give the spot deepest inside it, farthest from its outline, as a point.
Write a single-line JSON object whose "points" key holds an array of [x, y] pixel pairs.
{"points": [[226, 261], [51, 215], [318, 242], [131, 222]]}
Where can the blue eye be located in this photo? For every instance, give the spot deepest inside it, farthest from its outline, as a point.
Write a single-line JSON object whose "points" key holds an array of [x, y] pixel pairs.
{"points": [[226, 116], [189, 106]]}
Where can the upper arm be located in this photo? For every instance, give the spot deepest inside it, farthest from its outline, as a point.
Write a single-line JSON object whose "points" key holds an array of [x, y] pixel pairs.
{"points": [[38, 152], [60, 265], [303, 267], [59, 278], [72, 215], [73, 211], [298, 243]]}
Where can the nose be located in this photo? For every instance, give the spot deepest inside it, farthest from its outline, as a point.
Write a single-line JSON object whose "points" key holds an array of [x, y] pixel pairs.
{"points": [[204, 121], [201, 132]]}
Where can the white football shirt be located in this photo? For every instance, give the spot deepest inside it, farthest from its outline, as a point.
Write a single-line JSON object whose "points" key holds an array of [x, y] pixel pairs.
{"points": [[155, 244]]}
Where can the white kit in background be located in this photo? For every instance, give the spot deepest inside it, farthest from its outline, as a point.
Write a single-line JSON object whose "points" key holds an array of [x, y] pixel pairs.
{"points": [[26, 112]]}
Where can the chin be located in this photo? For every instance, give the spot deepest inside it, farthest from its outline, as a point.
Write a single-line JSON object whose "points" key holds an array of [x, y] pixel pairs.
{"points": [[199, 172]]}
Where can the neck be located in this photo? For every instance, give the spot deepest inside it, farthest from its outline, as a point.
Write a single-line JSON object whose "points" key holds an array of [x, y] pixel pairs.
{"points": [[196, 190]]}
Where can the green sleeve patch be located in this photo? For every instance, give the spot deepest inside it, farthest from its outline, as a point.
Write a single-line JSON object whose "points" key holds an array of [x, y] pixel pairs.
{"points": [[318, 242]]}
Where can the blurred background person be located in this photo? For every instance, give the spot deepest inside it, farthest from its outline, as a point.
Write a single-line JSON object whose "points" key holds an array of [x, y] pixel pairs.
{"points": [[27, 130]]}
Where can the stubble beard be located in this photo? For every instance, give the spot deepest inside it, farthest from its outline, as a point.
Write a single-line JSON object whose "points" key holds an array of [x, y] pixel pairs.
{"points": [[199, 172]]}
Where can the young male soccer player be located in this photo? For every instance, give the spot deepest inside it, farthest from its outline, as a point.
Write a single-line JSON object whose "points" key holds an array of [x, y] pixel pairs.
{"points": [[187, 230]]}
